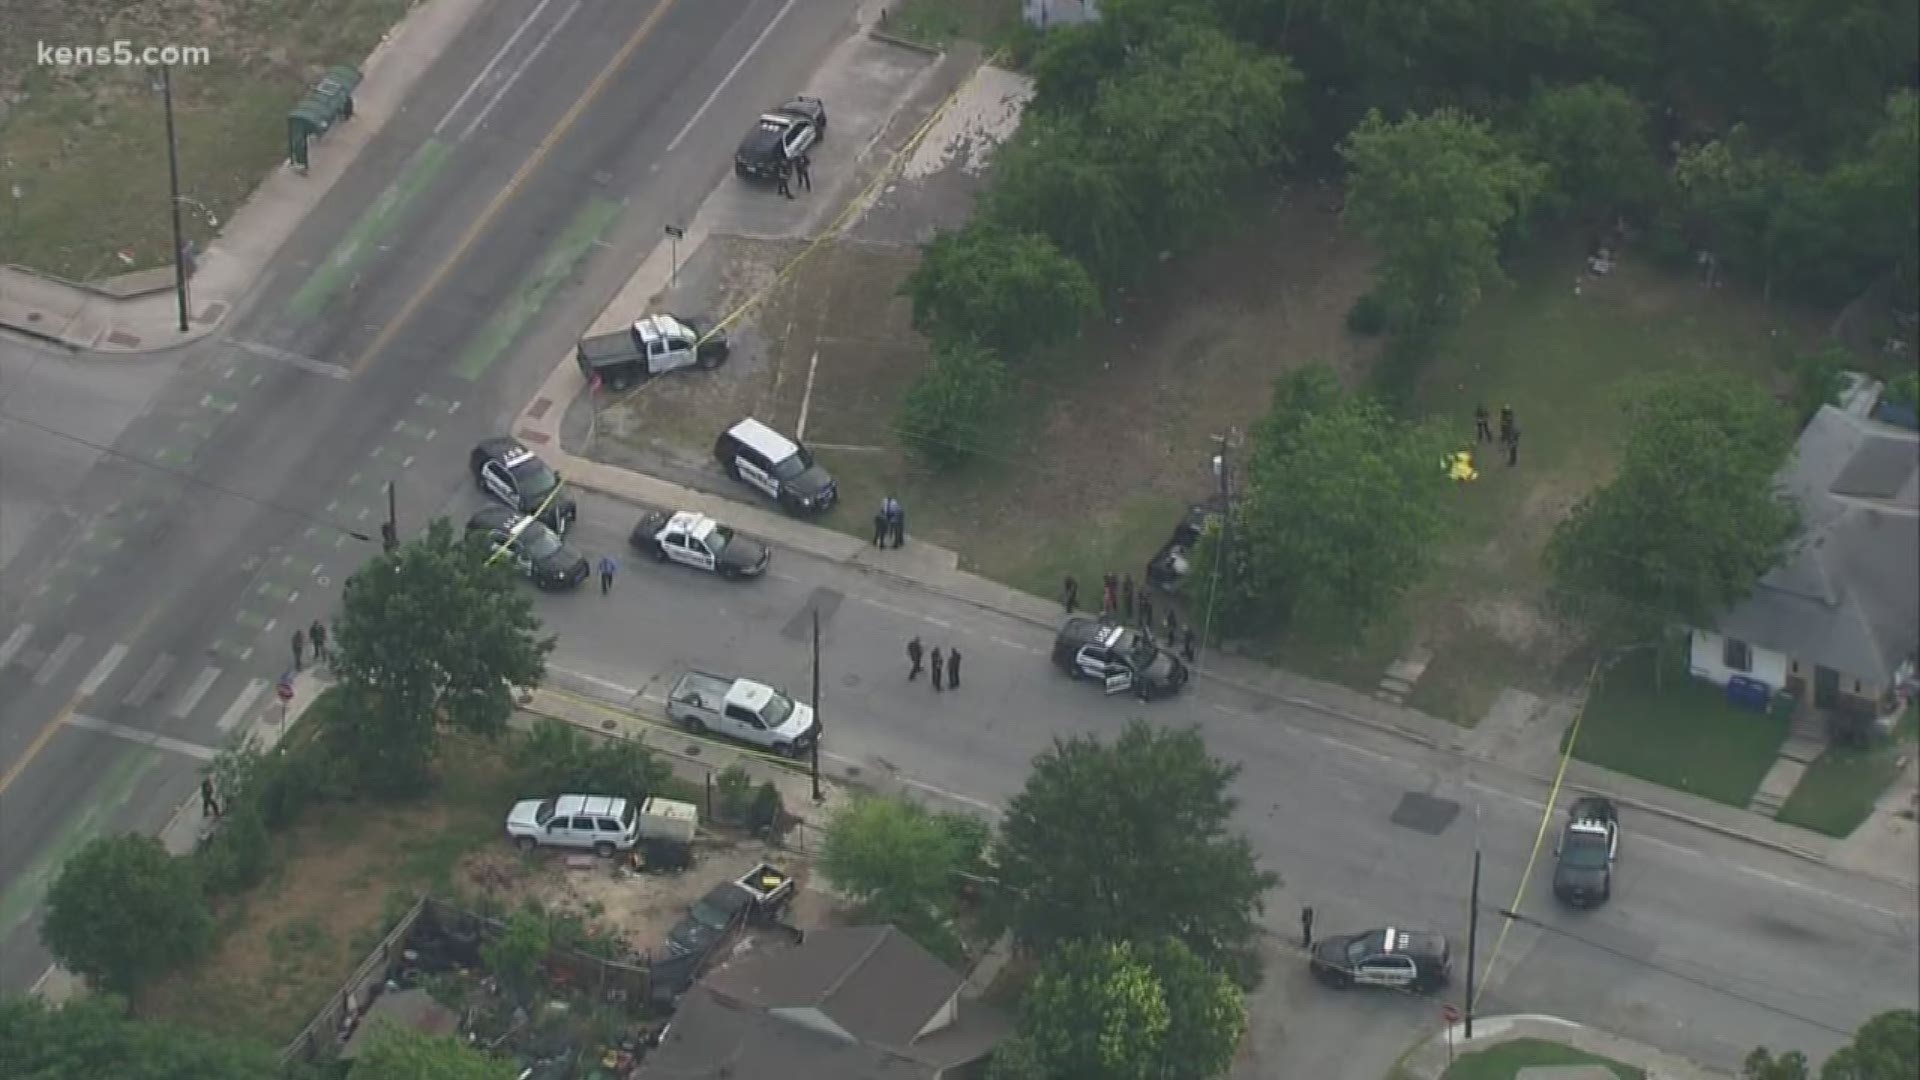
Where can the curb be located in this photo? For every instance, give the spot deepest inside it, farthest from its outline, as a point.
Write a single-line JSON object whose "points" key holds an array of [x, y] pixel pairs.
{"points": [[903, 42]]}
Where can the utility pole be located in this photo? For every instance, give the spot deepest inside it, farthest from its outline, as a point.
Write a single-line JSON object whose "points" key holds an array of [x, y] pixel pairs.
{"points": [[390, 528], [173, 175], [1473, 936], [818, 728], [1222, 474]]}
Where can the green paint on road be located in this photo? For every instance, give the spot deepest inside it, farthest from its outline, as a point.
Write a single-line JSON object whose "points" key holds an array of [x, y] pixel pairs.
{"points": [[363, 237], [555, 267], [116, 786]]}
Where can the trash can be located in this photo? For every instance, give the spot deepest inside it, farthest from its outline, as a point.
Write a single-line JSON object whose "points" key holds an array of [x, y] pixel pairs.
{"points": [[330, 101], [1749, 693]]}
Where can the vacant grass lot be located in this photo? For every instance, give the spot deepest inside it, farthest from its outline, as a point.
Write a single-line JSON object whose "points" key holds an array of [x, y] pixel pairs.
{"points": [[1504, 1062], [1679, 732], [86, 150], [1839, 789], [942, 22]]}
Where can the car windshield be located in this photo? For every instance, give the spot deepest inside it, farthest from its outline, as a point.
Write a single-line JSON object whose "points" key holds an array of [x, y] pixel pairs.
{"points": [[545, 813], [800, 462], [718, 539], [1366, 945], [539, 542], [534, 479], [777, 710], [1584, 852]]}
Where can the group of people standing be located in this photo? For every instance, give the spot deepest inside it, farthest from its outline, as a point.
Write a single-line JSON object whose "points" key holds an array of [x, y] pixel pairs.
{"points": [[1509, 431], [799, 168], [890, 523], [946, 669], [1119, 599]]}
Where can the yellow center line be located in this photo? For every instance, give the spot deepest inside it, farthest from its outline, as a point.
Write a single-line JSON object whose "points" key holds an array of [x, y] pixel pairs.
{"points": [[66, 712], [480, 224]]}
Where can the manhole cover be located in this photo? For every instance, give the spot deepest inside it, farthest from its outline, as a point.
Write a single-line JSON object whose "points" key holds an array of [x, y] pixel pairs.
{"points": [[1424, 813]]}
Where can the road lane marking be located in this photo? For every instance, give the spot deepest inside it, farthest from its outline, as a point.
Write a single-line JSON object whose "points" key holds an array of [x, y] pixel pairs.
{"points": [[52, 727], [201, 684], [145, 738], [149, 682], [474, 86], [520, 69], [102, 670], [595, 680], [806, 398], [554, 268], [931, 789], [512, 187], [14, 643], [51, 666], [364, 235], [238, 710], [293, 359], [728, 77]]}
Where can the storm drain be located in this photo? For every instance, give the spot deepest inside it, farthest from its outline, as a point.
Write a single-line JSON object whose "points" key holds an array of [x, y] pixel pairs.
{"points": [[1424, 813]]}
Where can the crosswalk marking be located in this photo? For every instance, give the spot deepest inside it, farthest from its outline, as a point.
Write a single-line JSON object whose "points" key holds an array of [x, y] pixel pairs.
{"points": [[149, 682], [201, 684], [103, 669], [238, 710], [145, 738], [56, 660], [14, 643]]}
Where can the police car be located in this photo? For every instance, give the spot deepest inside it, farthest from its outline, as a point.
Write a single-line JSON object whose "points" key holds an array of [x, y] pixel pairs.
{"points": [[516, 476], [1585, 853], [780, 468], [1396, 958], [781, 136], [698, 541], [536, 550], [1118, 658]]}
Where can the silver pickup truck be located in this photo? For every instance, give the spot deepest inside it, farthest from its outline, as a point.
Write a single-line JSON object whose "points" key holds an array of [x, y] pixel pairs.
{"points": [[742, 709]]}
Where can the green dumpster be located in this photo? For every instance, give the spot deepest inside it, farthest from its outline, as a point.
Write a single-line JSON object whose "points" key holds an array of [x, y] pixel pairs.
{"points": [[330, 101]]}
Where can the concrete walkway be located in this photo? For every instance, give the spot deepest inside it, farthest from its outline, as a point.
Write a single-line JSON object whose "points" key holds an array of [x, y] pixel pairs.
{"points": [[1428, 1060], [99, 317]]}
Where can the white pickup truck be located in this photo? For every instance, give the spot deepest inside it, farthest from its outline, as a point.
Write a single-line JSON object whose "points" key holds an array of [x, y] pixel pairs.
{"points": [[742, 709]]}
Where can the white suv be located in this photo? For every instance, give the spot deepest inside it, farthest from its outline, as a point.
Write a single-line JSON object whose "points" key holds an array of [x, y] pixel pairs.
{"points": [[598, 823]]}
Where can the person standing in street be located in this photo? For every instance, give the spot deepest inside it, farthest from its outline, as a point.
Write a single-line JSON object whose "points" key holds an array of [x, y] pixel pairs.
{"points": [[1173, 625], [1126, 598], [317, 633], [209, 806], [606, 574], [1069, 593], [1146, 614], [784, 175], [299, 649], [899, 523], [1513, 447], [953, 669], [1306, 927], [881, 526], [937, 663], [913, 655], [1186, 645], [1481, 432], [803, 171]]}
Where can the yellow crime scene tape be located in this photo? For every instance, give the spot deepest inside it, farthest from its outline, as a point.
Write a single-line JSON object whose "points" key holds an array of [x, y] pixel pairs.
{"points": [[855, 205], [501, 549], [1539, 839], [662, 724]]}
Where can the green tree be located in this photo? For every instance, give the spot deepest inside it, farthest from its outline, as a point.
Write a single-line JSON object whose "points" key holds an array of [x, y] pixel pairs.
{"points": [[901, 862], [92, 1037], [398, 1053], [1732, 188], [1055, 177], [123, 912], [1339, 509], [516, 955], [1875, 185], [1206, 1013], [1095, 1011], [1434, 194], [1595, 138], [1836, 60], [1692, 519], [950, 411], [1012, 292], [438, 632], [1130, 841], [1016, 1058], [1887, 1047], [556, 756], [1763, 1064]]}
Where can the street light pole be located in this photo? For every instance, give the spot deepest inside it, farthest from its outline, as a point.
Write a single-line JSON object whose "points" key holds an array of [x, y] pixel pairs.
{"points": [[1222, 470], [1473, 937], [818, 729], [173, 177], [390, 528]]}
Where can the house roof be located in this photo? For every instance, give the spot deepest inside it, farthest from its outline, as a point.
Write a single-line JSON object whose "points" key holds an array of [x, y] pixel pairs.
{"points": [[1847, 596], [410, 1009], [876, 983], [710, 1040]]}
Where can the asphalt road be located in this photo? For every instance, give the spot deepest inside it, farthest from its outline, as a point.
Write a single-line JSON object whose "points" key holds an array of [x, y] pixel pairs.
{"points": [[1709, 947], [409, 316]]}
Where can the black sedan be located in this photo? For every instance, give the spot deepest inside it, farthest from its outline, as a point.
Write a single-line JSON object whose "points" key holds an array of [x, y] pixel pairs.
{"points": [[505, 469], [538, 551]]}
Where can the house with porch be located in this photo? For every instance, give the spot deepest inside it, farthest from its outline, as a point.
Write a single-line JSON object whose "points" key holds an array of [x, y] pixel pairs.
{"points": [[1837, 623]]}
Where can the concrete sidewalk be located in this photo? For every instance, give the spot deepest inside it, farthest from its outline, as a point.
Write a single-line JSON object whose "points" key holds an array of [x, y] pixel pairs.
{"points": [[94, 318], [1429, 1059]]}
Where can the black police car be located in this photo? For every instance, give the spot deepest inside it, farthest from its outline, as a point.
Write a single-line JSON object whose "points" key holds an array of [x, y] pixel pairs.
{"points": [[1118, 657], [776, 466], [780, 136], [1395, 958], [1585, 853], [538, 551], [515, 475]]}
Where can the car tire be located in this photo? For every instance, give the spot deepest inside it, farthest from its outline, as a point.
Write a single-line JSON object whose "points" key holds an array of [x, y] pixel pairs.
{"points": [[726, 572], [659, 551], [785, 750], [709, 360], [733, 468], [694, 726], [603, 848], [740, 170], [525, 843]]}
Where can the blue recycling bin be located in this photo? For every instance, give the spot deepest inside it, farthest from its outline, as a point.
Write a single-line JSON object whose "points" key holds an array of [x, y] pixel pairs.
{"points": [[1749, 693]]}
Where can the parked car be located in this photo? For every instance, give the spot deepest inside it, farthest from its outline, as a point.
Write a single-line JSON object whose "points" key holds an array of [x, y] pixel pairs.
{"points": [[759, 894], [651, 346], [1119, 658], [1395, 958], [602, 824], [536, 550], [1584, 856], [1171, 564], [776, 466], [744, 710], [780, 136], [696, 540], [521, 481]]}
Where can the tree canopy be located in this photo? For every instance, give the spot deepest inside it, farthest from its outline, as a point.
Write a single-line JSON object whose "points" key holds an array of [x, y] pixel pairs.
{"points": [[123, 912], [403, 1054], [1692, 519], [1886, 1047], [434, 632], [901, 863], [92, 1037], [1131, 841], [1595, 139], [949, 413], [1012, 292]]}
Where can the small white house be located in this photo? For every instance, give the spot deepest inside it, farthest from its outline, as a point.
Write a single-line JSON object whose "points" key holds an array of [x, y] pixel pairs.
{"points": [[1837, 623]]}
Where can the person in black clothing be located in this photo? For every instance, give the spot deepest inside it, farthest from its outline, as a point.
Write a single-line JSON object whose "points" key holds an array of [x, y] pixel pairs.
{"points": [[937, 663], [899, 523], [1110, 595], [1306, 927], [1513, 447], [913, 654], [1481, 432], [317, 633], [299, 649], [1069, 593], [209, 807], [1173, 625], [1126, 598], [803, 171], [1506, 424], [784, 175], [953, 669], [1146, 613], [881, 526], [1186, 645]]}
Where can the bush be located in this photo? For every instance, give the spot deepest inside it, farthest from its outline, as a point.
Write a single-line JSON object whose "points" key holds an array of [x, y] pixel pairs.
{"points": [[1818, 379], [1013, 292], [555, 756], [766, 813], [1368, 315], [733, 794], [950, 410], [240, 852]]}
